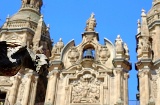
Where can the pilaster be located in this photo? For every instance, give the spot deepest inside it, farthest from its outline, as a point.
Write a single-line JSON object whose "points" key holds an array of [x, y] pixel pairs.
{"points": [[125, 85], [144, 86]]}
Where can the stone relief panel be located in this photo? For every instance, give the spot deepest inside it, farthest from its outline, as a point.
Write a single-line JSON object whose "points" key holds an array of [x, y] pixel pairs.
{"points": [[85, 89]]}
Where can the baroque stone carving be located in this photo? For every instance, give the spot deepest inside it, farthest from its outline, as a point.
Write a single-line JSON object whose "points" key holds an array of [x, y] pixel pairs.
{"points": [[73, 54], [91, 23], [104, 54], [86, 89]]}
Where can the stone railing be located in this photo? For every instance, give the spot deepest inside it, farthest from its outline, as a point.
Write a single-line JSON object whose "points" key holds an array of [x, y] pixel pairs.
{"points": [[21, 24]]}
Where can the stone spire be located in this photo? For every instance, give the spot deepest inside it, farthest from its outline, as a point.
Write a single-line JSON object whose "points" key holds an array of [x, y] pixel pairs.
{"points": [[144, 26], [35, 4], [38, 33], [91, 23]]}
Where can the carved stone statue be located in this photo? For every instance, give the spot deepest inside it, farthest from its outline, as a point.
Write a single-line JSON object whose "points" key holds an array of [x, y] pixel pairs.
{"points": [[119, 44], [91, 23], [104, 54], [126, 49], [73, 54]]}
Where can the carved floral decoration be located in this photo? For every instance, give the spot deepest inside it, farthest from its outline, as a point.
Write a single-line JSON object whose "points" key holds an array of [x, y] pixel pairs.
{"points": [[86, 89]]}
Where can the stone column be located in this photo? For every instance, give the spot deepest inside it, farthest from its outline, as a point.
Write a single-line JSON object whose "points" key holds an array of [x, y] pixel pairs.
{"points": [[144, 86], [51, 87], [126, 76], [27, 87], [14, 89]]}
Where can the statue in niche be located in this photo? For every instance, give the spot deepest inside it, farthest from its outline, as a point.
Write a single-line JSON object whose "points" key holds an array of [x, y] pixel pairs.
{"points": [[73, 54], [91, 23], [86, 89], [119, 44], [104, 54]]}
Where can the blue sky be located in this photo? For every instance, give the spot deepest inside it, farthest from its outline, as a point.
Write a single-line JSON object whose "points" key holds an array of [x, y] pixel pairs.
{"points": [[67, 19]]}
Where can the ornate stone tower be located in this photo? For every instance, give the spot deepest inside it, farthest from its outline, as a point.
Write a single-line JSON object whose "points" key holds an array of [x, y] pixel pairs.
{"points": [[89, 73], [25, 46], [148, 54]]}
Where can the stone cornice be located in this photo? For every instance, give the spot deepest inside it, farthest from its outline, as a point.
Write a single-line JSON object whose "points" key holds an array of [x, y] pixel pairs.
{"points": [[123, 63], [142, 63]]}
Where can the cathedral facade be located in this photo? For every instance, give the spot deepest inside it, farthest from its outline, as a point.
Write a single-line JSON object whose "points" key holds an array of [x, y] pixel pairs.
{"points": [[34, 71]]}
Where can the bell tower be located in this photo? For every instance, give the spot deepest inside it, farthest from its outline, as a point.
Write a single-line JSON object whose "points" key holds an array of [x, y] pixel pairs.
{"points": [[148, 55], [89, 73]]}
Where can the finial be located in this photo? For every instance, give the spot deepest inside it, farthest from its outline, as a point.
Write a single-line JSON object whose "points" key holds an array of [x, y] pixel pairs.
{"points": [[91, 23], [139, 26], [7, 19], [48, 27], [143, 14], [60, 39], [8, 16], [118, 37]]}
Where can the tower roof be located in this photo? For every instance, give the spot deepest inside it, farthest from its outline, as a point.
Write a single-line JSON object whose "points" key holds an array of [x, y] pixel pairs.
{"points": [[29, 12]]}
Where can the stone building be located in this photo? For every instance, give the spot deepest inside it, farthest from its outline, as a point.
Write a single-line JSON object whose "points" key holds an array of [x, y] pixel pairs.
{"points": [[148, 64], [32, 72]]}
